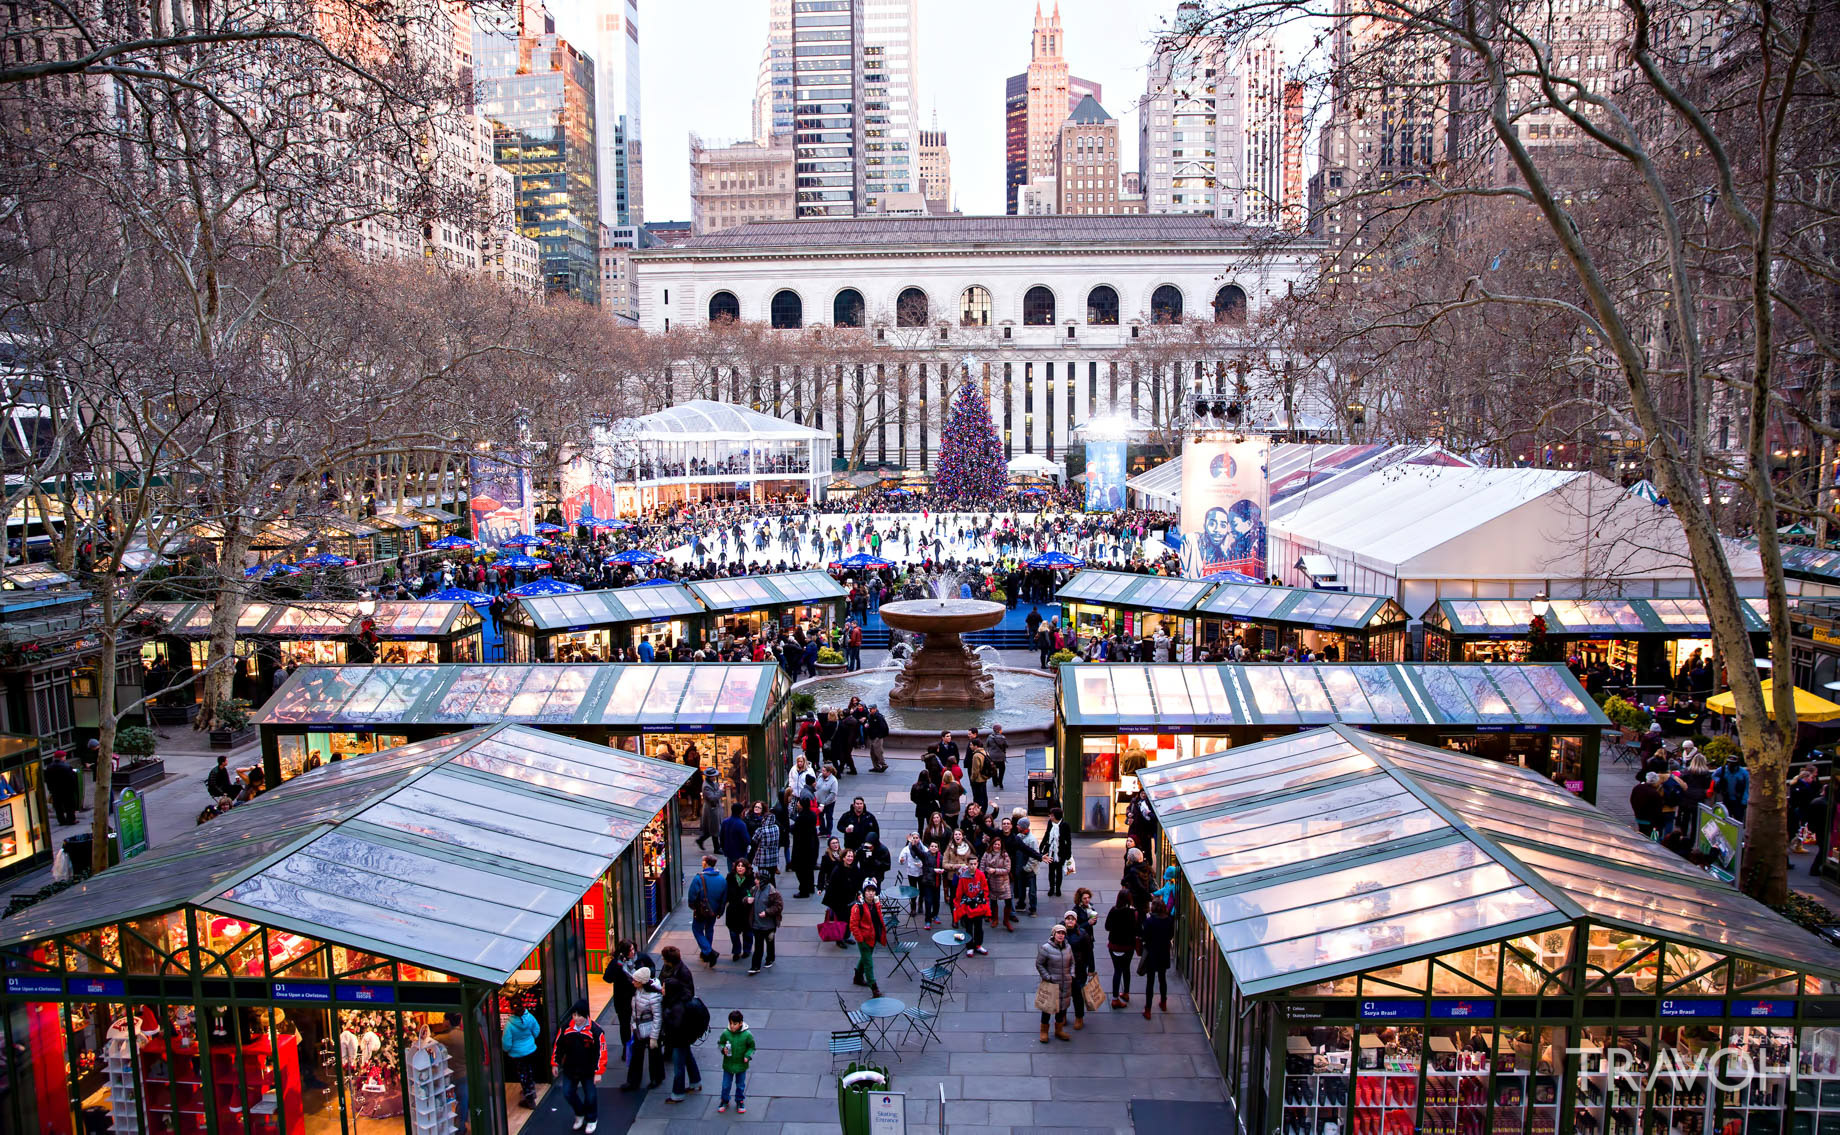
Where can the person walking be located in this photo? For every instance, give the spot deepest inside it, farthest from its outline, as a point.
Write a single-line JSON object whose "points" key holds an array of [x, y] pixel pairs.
{"points": [[996, 755], [578, 1059], [737, 1048], [1057, 849], [980, 776], [520, 1039], [766, 848], [738, 910], [1080, 934], [841, 890], [925, 798], [709, 824], [768, 908], [679, 990], [875, 729], [1054, 966], [1697, 780], [971, 905], [648, 1031], [804, 848], [1158, 934], [708, 897], [1122, 927], [1136, 879], [626, 958], [736, 836], [869, 929], [64, 786], [1731, 786], [826, 798]]}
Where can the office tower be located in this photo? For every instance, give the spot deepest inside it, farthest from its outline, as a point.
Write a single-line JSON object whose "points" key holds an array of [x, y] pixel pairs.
{"points": [[827, 98], [891, 107], [616, 105], [1036, 103], [1086, 177], [935, 166], [1292, 211], [732, 185], [537, 90], [1211, 129], [773, 86]]}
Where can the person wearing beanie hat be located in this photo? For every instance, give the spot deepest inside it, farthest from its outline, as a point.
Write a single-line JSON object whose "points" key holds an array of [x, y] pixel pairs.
{"points": [[1167, 892], [648, 1015], [579, 1058], [869, 929]]}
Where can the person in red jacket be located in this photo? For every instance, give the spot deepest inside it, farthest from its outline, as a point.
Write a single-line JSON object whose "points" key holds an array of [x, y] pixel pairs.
{"points": [[971, 906], [869, 930], [579, 1059]]}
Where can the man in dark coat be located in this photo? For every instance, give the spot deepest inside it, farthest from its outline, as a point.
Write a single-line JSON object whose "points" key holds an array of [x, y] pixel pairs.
{"points": [[858, 824], [843, 741], [736, 836], [62, 782], [876, 730]]}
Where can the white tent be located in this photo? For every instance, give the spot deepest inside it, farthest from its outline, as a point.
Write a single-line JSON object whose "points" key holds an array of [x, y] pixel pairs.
{"points": [[1035, 465], [1423, 533]]}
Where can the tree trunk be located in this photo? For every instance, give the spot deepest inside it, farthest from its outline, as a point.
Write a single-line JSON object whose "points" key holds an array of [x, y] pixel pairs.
{"points": [[105, 734], [226, 609]]}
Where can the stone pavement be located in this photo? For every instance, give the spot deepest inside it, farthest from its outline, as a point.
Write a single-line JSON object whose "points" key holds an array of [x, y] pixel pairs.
{"points": [[996, 1074]]}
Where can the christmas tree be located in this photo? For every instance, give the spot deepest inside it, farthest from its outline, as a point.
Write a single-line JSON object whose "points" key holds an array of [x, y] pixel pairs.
{"points": [[971, 465]]}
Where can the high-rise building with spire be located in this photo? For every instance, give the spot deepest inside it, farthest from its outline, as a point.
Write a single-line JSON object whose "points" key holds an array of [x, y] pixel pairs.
{"points": [[1035, 105], [935, 164]]}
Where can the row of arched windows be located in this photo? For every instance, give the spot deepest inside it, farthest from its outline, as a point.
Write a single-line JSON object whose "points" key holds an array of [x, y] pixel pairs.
{"points": [[913, 309]]}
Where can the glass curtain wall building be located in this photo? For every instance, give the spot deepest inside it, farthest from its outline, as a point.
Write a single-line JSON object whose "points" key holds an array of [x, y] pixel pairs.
{"points": [[827, 100]]}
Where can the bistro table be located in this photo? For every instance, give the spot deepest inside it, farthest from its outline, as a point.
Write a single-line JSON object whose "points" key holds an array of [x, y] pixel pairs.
{"points": [[950, 939], [882, 1013]]}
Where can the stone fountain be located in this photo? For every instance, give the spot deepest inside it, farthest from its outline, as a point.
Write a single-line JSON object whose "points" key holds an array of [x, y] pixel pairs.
{"points": [[943, 673]]}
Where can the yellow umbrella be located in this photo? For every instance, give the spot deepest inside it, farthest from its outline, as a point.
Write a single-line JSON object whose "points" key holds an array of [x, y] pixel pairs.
{"points": [[1808, 707]]}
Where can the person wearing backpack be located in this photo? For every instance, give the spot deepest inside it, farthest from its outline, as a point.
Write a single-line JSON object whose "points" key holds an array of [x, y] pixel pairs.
{"points": [[685, 1021], [869, 930], [708, 897], [579, 1058]]}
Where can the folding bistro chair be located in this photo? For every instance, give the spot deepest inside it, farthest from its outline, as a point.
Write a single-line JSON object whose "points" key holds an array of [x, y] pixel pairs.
{"points": [[851, 1043], [858, 1019], [903, 953], [942, 970], [923, 1016]]}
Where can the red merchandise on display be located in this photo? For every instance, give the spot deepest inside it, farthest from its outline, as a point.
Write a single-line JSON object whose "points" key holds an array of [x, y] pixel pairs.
{"points": [[45, 1035], [175, 1091]]}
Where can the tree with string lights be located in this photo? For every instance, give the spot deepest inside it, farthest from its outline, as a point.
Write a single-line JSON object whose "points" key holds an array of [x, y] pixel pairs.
{"points": [[971, 464]]}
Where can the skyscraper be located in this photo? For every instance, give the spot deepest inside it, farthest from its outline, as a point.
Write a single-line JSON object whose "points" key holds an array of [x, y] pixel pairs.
{"points": [[538, 92], [616, 105], [1036, 103], [773, 86], [827, 102], [935, 166], [1211, 130], [1086, 153], [891, 105]]}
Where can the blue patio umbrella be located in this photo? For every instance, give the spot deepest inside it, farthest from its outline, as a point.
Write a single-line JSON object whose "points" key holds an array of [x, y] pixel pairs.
{"points": [[459, 595], [1031, 489], [655, 583], [900, 492], [610, 525], [1056, 560], [633, 556], [523, 541], [518, 561], [326, 559], [861, 560], [548, 529], [269, 570], [455, 544], [542, 587]]}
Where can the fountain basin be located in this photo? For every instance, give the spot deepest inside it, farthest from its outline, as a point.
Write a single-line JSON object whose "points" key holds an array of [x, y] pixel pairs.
{"points": [[943, 673], [936, 616], [1024, 704]]}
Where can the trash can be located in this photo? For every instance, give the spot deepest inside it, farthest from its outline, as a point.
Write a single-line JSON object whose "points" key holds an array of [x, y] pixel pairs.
{"points": [[78, 847], [854, 1087]]}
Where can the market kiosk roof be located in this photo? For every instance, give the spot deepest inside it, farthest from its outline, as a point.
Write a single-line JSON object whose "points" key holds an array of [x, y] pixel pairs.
{"points": [[320, 618], [673, 694], [1132, 695], [1332, 610], [1801, 559], [1588, 618], [1339, 851], [1129, 589], [460, 853], [745, 592], [614, 605]]}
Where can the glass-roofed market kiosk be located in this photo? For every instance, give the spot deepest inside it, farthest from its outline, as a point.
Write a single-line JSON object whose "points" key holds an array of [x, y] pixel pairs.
{"points": [[1115, 720], [295, 965], [1385, 938]]}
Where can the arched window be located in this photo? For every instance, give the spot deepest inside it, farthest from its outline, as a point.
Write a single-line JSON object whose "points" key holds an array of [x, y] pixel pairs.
{"points": [[1038, 307], [788, 310], [974, 307], [1230, 305], [847, 308], [910, 308], [1166, 304], [1102, 306], [724, 306]]}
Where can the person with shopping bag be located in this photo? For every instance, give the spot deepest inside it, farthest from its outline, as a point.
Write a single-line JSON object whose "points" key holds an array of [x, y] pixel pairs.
{"points": [[1054, 966]]}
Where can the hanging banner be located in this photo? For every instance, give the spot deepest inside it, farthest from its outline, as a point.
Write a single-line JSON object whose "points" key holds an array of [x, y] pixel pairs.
{"points": [[586, 494], [1225, 492], [1105, 476], [500, 505]]}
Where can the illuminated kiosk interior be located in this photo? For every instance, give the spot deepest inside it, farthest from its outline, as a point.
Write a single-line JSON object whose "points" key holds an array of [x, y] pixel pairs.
{"points": [[1115, 719], [278, 969], [588, 626], [1384, 937], [1649, 640]]}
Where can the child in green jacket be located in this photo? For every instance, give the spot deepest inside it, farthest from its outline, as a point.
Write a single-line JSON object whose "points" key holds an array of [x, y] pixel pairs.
{"points": [[737, 1048]]}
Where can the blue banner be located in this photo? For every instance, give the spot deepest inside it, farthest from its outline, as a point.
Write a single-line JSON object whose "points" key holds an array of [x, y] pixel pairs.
{"points": [[97, 987], [35, 986], [302, 991], [1692, 1007], [1461, 1009], [1392, 1009], [369, 994], [1105, 476], [1763, 1008]]}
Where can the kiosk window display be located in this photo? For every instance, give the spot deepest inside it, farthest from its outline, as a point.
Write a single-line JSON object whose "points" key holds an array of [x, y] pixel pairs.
{"points": [[1115, 719], [755, 605], [1416, 940], [25, 823], [734, 712], [589, 626], [335, 955]]}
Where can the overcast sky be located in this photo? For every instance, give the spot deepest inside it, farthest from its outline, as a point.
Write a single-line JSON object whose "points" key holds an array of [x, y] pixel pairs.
{"points": [[699, 59]]}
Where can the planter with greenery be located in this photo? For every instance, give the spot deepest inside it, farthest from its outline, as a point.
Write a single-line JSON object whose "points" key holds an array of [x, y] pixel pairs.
{"points": [[1626, 715], [233, 726], [135, 745], [1060, 656], [804, 702], [829, 659], [1719, 750]]}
